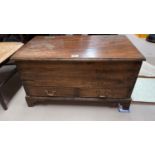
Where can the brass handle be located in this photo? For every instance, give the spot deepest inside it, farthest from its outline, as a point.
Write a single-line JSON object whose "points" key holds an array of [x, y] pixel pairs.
{"points": [[102, 96], [50, 94]]}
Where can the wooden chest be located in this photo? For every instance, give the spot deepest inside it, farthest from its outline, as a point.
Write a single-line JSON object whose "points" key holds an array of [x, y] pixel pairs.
{"points": [[101, 69]]}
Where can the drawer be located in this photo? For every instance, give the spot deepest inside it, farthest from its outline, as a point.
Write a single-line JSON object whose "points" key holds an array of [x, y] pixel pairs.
{"points": [[76, 92], [104, 93], [50, 91]]}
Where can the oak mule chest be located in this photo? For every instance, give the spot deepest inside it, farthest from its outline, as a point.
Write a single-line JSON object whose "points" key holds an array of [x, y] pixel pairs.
{"points": [[99, 69]]}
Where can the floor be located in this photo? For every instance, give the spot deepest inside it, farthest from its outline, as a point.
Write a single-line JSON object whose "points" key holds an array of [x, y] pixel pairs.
{"points": [[146, 48], [18, 109]]}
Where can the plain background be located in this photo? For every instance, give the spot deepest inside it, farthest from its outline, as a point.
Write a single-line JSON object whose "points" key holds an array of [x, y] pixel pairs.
{"points": [[77, 17]]}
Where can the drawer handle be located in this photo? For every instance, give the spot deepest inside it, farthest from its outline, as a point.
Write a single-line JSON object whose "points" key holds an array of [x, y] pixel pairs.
{"points": [[102, 96], [50, 94]]}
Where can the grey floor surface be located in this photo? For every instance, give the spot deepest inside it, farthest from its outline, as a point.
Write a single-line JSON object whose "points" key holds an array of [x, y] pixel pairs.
{"points": [[18, 109]]}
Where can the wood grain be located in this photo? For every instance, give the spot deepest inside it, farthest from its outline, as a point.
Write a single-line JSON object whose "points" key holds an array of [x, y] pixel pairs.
{"points": [[7, 49], [32, 100], [79, 48], [80, 79], [90, 68]]}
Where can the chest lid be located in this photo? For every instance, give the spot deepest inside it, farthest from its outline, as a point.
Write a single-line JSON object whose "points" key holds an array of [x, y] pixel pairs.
{"points": [[93, 47]]}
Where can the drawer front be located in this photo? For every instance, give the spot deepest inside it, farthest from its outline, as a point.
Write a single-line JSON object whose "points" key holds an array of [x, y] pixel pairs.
{"points": [[104, 93], [75, 92], [50, 91]]}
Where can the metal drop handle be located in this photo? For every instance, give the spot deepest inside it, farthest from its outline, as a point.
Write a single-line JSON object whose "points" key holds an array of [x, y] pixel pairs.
{"points": [[50, 94], [102, 96]]}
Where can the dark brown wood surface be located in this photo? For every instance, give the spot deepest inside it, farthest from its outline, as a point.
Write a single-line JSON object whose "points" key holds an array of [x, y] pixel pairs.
{"points": [[79, 79], [97, 68], [33, 100], [80, 48]]}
